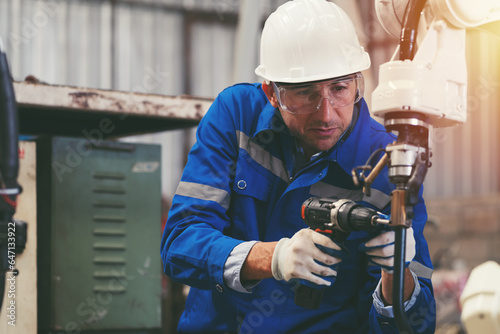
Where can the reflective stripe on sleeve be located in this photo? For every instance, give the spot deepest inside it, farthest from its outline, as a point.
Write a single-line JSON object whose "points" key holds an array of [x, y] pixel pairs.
{"points": [[420, 270], [262, 157], [204, 192]]}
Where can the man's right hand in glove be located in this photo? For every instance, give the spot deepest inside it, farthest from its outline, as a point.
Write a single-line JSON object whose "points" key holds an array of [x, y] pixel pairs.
{"points": [[292, 258], [300, 257]]}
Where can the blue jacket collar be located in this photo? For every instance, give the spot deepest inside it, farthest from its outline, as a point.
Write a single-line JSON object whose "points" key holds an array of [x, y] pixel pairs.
{"points": [[270, 119], [352, 151]]}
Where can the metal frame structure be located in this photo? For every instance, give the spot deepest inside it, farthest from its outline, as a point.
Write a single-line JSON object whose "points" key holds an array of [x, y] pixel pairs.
{"points": [[74, 111]]}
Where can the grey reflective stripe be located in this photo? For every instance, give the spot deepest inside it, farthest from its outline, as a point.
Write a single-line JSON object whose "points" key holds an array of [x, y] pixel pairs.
{"points": [[323, 189], [203, 192], [262, 157], [420, 270], [377, 199]]}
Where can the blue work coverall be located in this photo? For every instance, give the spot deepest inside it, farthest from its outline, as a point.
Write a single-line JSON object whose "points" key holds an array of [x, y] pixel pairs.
{"points": [[241, 183]]}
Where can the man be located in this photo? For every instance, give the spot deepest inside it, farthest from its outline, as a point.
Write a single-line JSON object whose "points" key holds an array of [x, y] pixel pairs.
{"points": [[235, 233]]}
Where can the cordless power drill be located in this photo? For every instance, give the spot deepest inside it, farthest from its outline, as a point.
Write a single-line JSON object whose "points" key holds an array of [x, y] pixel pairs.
{"points": [[335, 219]]}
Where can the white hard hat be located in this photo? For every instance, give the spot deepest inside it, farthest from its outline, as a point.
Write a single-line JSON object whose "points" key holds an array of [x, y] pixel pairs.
{"points": [[309, 40]]}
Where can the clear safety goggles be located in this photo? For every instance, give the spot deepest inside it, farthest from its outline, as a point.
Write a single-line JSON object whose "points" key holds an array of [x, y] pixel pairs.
{"points": [[307, 98]]}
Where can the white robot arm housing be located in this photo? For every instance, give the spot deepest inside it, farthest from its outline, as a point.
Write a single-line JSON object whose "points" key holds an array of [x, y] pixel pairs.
{"points": [[434, 83], [430, 90]]}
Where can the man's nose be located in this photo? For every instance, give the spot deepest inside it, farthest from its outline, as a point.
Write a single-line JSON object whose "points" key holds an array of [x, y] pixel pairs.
{"points": [[326, 111]]}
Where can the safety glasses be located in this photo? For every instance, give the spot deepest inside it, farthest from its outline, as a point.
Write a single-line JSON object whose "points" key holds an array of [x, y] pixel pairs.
{"points": [[307, 98]]}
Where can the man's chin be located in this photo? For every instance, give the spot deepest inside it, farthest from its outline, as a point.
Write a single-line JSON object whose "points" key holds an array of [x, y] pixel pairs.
{"points": [[314, 144], [325, 145]]}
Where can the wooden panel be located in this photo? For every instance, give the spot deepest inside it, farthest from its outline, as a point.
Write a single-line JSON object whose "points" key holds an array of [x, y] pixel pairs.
{"points": [[25, 313]]}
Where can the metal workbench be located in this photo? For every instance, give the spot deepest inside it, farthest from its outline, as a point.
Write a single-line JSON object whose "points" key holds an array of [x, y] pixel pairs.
{"points": [[71, 111]]}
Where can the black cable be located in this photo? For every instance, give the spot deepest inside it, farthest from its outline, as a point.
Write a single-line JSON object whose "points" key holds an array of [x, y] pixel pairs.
{"points": [[408, 41], [377, 151], [359, 178], [398, 281]]}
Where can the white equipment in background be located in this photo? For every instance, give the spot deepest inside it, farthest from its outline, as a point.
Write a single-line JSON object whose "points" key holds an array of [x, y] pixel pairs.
{"points": [[435, 81], [423, 86], [480, 300]]}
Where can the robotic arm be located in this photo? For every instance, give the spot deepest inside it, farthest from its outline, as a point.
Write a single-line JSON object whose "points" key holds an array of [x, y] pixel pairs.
{"points": [[467, 14], [434, 81], [423, 86]]}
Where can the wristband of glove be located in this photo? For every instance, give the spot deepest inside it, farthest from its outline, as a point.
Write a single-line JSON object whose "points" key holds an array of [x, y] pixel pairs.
{"points": [[275, 261]]}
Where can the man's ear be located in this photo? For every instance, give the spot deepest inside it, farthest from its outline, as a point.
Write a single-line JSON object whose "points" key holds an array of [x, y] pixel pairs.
{"points": [[267, 87]]}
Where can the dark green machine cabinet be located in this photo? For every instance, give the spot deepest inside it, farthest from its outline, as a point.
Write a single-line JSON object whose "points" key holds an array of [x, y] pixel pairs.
{"points": [[99, 233]]}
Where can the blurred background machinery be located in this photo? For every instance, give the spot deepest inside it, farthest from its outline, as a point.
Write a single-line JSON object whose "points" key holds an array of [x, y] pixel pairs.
{"points": [[99, 204], [198, 47]]}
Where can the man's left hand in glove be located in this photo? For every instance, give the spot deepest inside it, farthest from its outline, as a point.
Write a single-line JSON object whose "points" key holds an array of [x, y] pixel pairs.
{"points": [[380, 251]]}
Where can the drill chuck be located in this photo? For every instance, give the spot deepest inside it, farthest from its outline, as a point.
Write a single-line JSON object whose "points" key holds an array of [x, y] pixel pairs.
{"points": [[339, 215]]}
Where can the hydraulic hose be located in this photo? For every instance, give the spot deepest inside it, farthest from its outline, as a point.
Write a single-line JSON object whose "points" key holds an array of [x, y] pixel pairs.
{"points": [[408, 40]]}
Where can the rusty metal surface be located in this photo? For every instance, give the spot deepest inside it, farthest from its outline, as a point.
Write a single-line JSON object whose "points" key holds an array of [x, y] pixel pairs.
{"points": [[64, 110], [88, 99]]}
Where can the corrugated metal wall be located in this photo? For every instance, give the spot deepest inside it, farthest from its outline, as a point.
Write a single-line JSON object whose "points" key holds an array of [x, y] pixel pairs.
{"points": [[467, 157], [186, 47], [101, 44]]}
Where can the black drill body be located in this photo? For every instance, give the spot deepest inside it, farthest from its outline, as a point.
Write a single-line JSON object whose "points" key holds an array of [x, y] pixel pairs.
{"points": [[335, 219]]}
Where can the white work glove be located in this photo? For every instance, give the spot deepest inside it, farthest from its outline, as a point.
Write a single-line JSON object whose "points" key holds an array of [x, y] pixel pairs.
{"points": [[298, 257], [380, 249]]}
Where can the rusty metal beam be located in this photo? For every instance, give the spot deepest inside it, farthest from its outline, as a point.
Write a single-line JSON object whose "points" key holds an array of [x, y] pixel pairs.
{"points": [[64, 110]]}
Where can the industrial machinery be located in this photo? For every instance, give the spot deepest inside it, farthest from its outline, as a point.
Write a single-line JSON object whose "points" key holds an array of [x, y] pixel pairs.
{"points": [[422, 87]]}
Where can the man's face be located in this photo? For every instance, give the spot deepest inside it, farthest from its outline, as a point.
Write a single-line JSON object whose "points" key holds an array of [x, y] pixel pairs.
{"points": [[321, 130], [318, 130]]}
